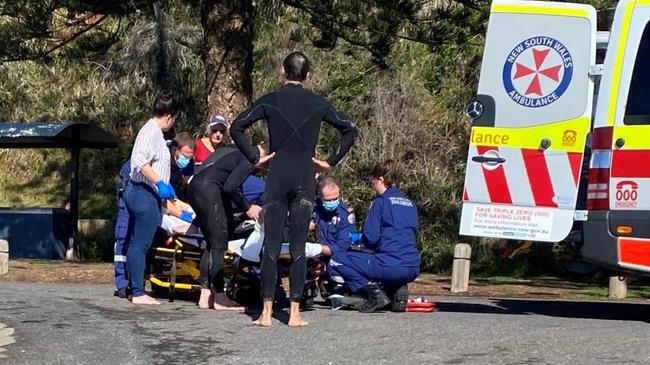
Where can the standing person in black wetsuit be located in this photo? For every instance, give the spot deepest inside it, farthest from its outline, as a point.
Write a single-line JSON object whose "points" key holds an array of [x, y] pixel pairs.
{"points": [[212, 190], [294, 116]]}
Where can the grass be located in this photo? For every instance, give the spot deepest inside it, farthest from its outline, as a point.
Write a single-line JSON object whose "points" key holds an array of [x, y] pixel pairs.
{"points": [[584, 289]]}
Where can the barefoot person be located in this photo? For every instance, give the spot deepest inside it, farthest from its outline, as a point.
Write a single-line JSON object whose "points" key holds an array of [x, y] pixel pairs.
{"points": [[181, 156], [148, 185], [294, 116], [212, 191]]}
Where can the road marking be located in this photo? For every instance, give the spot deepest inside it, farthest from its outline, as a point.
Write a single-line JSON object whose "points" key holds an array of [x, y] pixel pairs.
{"points": [[6, 338]]}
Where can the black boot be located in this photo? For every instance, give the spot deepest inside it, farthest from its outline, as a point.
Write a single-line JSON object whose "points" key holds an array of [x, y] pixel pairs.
{"points": [[122, 293], [400, 299], [376, 299]]}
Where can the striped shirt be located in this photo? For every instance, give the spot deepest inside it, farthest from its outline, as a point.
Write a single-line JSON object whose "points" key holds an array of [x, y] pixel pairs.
{"points": [[150, 148]]}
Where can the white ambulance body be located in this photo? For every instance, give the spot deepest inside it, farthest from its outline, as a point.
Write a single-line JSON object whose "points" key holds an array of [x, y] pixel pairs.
{"points": [[534, 122]]}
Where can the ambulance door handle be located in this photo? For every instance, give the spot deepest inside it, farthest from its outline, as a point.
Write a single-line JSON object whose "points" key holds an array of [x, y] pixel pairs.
{"points": [[486, 159]]}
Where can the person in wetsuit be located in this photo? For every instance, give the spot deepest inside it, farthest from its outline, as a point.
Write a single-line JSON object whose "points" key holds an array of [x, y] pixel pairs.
{"points": [[294, 116], [212, 191]]}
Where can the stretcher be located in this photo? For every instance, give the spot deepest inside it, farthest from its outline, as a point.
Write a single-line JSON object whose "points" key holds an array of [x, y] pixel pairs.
{"points": [[174, 262]]}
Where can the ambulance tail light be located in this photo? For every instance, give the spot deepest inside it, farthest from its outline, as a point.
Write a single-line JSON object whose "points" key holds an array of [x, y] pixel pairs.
{"points": [[599, 167], [598, 189]]}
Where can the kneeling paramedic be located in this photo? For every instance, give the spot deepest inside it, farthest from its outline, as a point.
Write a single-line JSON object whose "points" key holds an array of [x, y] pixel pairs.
{"points": [[391, 230]]}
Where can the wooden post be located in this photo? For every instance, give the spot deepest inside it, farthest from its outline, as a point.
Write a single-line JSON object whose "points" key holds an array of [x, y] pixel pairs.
{"points": [[460, 270], [618, 287], [4, 257]]}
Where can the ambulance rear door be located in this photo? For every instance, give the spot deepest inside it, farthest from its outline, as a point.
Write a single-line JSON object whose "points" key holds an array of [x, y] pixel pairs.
{"points": [[530, 121]]}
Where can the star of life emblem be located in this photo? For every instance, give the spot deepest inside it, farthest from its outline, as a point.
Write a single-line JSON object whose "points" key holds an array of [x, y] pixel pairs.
{"points": [[537, 72]]}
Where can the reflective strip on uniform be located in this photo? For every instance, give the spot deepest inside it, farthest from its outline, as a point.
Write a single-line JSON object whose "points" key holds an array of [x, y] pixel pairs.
{"points": [[119, 258]]}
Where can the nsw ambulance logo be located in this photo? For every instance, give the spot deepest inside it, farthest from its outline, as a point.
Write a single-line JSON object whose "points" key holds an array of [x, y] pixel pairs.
{"points": [[537, 72]]}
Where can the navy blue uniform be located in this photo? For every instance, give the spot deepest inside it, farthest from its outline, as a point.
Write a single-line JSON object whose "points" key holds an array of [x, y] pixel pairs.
{"points": [[121, 228], [176, 178], [253, 190], [391, 230], [334, 228]]}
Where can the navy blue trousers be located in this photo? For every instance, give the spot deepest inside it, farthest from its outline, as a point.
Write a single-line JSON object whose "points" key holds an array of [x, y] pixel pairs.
{"points": [[358, 269]]}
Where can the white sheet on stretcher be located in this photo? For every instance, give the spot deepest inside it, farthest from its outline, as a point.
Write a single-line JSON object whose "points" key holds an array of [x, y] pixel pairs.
{"points": [[248, 249]]}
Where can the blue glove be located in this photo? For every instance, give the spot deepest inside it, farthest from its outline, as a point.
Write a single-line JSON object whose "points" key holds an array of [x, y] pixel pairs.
{"points": [[165, 191], [186, 216], [355, 237]]}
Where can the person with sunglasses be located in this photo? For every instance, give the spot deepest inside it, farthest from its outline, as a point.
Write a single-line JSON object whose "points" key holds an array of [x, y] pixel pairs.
{"points": [[213, 138]]}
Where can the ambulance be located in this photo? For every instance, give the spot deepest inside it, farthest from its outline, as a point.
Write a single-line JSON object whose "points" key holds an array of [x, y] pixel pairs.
{"points": [[559, 138]]}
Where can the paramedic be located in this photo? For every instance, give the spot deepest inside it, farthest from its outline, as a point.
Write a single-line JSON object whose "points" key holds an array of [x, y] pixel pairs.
{"points": [[181, 162], [293, 116], [390, 229], [148, 185], [334, 220], [212, 191]]}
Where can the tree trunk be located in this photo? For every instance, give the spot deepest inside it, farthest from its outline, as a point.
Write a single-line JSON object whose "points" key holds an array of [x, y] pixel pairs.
{"points": [[228, 27]]}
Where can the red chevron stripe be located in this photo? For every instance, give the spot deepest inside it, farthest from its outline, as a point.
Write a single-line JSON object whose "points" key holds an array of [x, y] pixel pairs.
{"points": [[495, 180], [539, 177], [575, 160]]}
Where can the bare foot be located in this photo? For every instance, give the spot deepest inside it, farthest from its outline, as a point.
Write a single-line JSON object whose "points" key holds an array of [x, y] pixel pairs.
{"points": [[296, 321], [263, 321], [144, 300], [223, 303], [267, 312], [206, 301]]}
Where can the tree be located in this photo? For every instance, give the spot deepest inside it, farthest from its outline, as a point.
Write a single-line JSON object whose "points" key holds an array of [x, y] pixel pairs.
{"points": [[37, 29], [227, 55]]}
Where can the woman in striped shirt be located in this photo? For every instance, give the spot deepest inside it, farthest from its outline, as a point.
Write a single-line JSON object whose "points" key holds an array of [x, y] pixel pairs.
{"points": [[148, 185]]}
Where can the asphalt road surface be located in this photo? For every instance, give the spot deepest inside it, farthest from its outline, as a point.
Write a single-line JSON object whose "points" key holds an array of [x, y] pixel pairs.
{"points": [[81, 324]]}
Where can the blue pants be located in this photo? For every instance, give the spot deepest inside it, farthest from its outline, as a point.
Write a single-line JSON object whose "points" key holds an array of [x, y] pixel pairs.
{"points": [[358, 269], [121, 231], [119, 264], [143, 206]]}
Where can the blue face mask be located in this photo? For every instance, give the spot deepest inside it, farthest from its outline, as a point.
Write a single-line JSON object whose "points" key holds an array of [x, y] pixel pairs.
{"points": [[182, 161], [331, 205]]}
